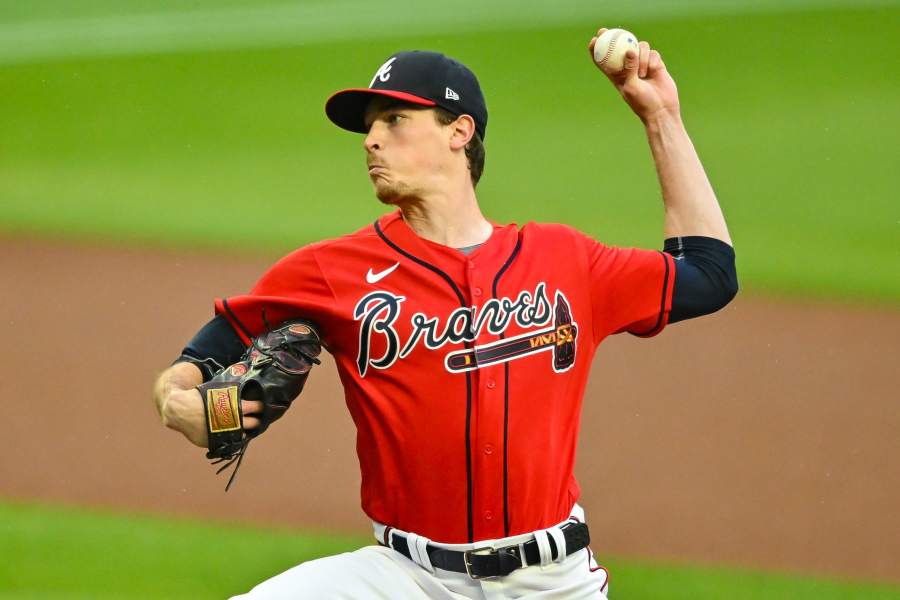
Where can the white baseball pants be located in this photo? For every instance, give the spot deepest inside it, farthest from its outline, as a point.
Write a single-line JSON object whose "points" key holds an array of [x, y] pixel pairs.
{"points": [[377, 572]]}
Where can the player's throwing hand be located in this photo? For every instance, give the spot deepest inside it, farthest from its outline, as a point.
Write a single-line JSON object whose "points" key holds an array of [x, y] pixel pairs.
{"points": [[644, 82]]}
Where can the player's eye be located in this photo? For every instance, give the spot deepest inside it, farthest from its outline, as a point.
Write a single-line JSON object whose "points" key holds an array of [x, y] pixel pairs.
{"points": [[394, 118]]}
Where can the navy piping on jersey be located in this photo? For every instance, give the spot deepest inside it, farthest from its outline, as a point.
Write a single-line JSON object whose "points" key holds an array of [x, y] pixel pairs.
{"points": [[468, 345], [662, 304], [500, 273], [237, 321]]}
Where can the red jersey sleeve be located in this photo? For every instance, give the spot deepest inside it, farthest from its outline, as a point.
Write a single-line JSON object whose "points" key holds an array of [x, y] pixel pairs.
{"points": [[631, 289], [295, 287]]}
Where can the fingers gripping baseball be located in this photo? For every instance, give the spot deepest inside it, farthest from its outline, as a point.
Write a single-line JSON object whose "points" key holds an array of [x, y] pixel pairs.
{"points": [[655, 62], [640, 75], [643, 65], [643, 59]]}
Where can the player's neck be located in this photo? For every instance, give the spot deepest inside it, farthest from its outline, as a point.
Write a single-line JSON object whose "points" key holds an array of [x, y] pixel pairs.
{"points": [[452, 220]]}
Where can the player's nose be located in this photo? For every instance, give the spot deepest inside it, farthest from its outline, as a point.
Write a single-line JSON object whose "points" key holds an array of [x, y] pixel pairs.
{"points": [[372, 140]]}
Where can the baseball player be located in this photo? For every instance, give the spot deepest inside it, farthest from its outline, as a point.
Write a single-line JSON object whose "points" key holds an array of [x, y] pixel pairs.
{"points": [[463, 345]]}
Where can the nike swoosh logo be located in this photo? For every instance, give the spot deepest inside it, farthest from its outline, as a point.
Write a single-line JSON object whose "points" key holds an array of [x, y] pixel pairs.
{"points": [[376, 277]]}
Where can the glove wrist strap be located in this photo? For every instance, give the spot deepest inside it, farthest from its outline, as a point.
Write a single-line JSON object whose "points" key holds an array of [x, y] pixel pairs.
{"points": [[221, 402]]}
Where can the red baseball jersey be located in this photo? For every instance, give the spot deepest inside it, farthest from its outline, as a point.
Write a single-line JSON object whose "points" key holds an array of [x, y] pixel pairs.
{"points": [[464, 374]]}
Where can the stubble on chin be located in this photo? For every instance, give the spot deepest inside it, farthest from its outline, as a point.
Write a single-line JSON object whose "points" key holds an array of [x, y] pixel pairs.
{"points": [[392, 193]]}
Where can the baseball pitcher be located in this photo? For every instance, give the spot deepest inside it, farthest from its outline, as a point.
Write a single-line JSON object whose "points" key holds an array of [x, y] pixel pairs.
{"points": [[463, 345]]}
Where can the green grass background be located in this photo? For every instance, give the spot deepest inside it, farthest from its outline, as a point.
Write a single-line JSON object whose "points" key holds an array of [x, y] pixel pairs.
{"points": [[194, 124], [68, 554], [795, 115]]}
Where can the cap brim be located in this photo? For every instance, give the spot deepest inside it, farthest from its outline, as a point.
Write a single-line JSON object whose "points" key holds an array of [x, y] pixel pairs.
{"points": [[347, 108]]}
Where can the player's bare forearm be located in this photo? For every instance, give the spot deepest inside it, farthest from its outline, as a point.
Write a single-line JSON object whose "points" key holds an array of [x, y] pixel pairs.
{"points": [[690, 202], [179, 403], [647, 87]]}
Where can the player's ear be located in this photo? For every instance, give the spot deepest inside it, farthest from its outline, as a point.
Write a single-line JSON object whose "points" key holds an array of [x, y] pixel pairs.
{"points": [[461, 131]]}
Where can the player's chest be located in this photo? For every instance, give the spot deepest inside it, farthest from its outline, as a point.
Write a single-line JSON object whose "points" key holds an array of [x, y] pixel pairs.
{"points": [[402, 315]]}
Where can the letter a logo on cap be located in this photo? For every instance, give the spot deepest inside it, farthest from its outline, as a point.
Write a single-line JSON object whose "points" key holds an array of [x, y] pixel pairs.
{"points": [[450, 94], [384, 72]]}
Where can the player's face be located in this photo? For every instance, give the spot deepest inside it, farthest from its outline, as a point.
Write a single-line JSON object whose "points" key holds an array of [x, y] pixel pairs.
{"points": [[406, 150]]}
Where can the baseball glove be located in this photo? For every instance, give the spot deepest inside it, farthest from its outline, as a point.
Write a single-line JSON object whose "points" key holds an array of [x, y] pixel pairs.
{"points": [[272, 371]]}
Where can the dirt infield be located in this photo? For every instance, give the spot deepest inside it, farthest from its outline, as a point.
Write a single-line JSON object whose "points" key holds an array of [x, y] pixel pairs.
{"points": [[767, 435]]}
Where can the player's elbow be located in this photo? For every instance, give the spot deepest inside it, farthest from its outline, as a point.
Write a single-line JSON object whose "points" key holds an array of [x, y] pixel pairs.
{"points": [[731, 286], [724, 288], [705, 277], [723, 280]]}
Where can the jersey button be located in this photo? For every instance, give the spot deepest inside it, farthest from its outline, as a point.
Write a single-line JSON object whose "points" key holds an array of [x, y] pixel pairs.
{"points": [[477, 291], [488, 449], [491, 384], [471, 265], [488, 515]]}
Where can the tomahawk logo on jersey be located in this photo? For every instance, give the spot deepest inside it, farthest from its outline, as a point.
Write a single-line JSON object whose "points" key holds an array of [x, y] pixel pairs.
{"points": [[377, 313], [464, 373]]}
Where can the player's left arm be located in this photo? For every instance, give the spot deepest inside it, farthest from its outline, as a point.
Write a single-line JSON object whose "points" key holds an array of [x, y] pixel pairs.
{"points": [[695, 229]]}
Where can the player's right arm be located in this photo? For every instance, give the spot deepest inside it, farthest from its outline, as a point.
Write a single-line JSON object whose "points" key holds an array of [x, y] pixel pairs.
{"points": [[691, 207], [696, 234]]}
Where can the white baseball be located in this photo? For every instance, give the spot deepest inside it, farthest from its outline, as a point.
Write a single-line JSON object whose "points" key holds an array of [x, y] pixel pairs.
{"points": [[610, 49]]}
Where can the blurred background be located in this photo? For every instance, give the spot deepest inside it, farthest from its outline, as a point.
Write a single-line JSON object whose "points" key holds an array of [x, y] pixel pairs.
{"points": [[156, 154]]}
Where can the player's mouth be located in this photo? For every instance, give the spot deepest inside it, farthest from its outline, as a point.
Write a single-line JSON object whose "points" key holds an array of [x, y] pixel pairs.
{"points": [[376, 170]]}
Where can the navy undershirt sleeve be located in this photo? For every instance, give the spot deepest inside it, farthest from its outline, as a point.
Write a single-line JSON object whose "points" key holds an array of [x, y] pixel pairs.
{"points": [[705, 276], [213, 348]]}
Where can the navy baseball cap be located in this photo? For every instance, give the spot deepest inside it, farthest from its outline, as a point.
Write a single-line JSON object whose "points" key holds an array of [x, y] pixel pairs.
{"points": [[418, 77]]}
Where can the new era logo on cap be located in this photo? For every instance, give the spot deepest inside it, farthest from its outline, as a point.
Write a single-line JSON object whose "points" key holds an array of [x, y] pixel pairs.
{"points": [[417, 77]]}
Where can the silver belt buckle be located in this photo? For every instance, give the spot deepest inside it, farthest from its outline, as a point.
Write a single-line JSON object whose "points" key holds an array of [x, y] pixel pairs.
{"points": [[468, 561]]}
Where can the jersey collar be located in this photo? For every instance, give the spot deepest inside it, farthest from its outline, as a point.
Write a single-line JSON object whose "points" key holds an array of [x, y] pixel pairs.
{"points": [[496, 249]]}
